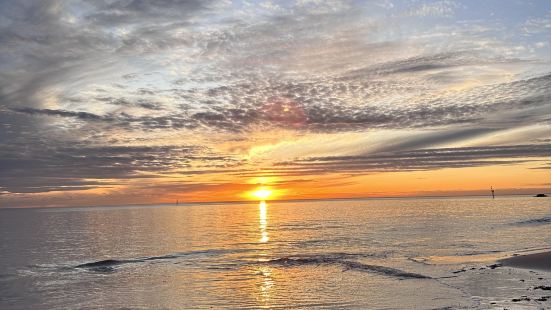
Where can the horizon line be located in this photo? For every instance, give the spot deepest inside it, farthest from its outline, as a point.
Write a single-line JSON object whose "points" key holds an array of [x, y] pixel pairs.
{"points": [[274, 200]]}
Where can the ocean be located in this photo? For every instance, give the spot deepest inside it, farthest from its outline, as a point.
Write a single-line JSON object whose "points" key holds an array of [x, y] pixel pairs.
{"points": [[415, 253]]}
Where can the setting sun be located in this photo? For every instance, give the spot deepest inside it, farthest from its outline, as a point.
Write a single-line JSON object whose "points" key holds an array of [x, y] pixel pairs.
{"points": [[262, 193]]}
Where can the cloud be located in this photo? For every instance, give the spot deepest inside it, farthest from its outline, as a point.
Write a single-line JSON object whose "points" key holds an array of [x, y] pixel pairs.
{"points": [[139, 11], [415, 160], [538, 25], [62, 113], [139, 103], [439, 8], [65, 166], [351, 83], [322, 105], [545, 166]]}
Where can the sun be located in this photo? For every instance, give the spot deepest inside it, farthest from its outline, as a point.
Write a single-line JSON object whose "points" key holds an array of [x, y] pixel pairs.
{"points": [[261, 193]]}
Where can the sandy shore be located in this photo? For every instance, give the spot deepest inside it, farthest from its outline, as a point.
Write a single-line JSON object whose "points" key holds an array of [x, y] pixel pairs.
{"points": [[540, 261]]}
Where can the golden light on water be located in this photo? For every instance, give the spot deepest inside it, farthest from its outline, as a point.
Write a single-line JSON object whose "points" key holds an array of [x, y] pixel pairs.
{"points": [[263, 221], [267, 283], [266, 286]]}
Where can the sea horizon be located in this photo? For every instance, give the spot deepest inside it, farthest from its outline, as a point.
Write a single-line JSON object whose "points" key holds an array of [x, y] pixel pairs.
{"points": [[185, 203]]}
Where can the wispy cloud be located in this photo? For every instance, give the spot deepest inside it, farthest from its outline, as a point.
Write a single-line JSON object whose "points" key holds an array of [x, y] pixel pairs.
{"points": [[414, 160], [64, 166]]}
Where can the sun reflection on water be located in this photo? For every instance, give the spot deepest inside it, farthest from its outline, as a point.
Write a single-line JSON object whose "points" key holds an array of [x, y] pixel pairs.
{"points": [[263, 221], [267, 283]]}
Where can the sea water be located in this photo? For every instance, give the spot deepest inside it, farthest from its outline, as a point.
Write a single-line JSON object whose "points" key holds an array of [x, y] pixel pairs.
{"points": [[366, 254]]}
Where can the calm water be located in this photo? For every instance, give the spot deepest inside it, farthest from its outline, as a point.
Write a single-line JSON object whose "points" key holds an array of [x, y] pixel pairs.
{"points": [[386, 253]]}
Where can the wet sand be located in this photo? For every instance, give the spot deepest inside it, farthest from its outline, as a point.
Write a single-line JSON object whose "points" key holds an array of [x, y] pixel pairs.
{"points": [[539, 261]]}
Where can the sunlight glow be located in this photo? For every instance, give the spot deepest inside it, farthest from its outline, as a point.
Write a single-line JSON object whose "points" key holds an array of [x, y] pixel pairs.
{"points": [[262, 193]]}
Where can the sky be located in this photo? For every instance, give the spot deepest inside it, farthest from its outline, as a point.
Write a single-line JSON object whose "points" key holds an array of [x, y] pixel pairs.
{"points": [[106, 102]]}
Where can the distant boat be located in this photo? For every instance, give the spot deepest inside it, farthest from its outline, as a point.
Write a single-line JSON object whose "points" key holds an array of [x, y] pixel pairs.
{"points": [[541, 195]]}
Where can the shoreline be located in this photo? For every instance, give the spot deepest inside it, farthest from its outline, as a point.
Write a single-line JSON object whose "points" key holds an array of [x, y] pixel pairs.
{"points": [[535, 261]]}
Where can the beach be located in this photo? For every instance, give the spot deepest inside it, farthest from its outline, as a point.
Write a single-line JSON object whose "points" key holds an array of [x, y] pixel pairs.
{"points": [[536, 261], [518, 281]]}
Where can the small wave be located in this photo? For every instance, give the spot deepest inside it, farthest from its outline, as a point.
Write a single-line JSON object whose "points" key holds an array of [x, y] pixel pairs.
{"points": [[345, 263], [109, 265], [475, 253], [537, 221], [383, 270], [105, 265]]}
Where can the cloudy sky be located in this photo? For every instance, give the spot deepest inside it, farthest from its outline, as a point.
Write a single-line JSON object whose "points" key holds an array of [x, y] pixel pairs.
{"points": [[134, 101]]}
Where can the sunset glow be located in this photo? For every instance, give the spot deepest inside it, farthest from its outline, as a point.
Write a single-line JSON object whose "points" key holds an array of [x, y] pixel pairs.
{"points": [[262, 193]]}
